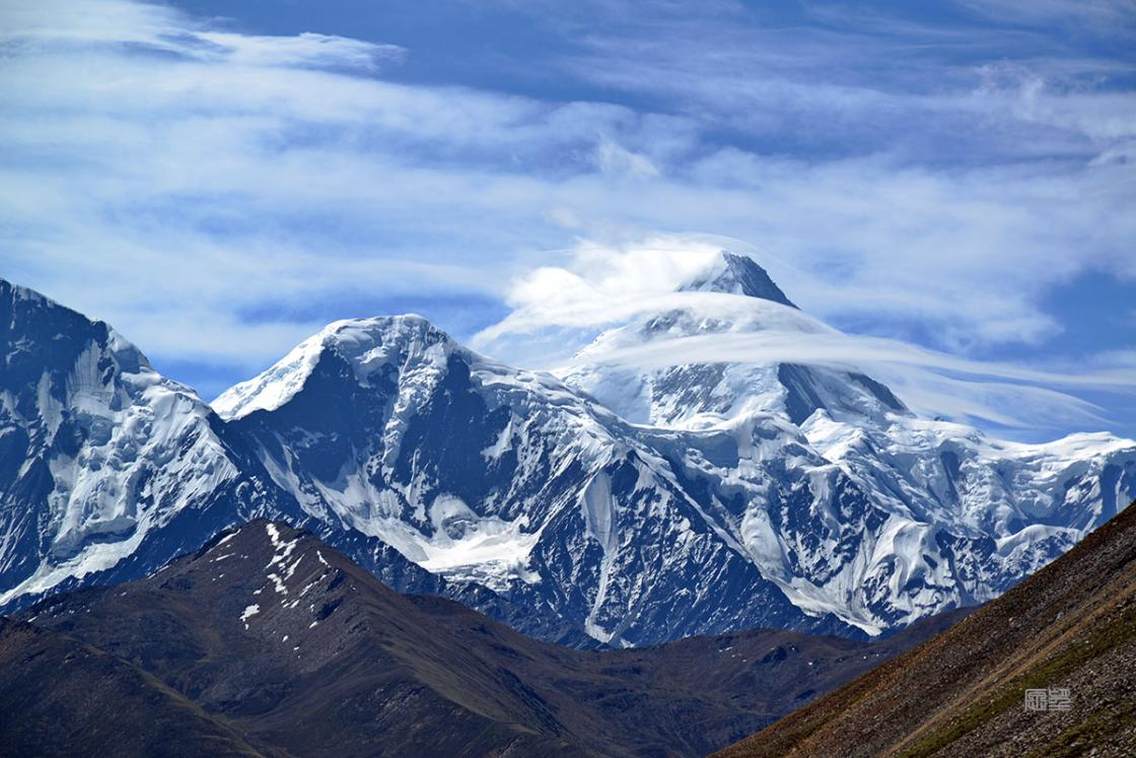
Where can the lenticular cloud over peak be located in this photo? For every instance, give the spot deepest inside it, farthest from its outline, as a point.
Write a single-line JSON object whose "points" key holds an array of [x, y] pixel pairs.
{"points": [[587, 311]]}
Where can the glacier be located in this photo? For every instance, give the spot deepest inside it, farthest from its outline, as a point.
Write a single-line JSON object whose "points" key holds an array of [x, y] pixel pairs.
{"points": [[603, 503]]}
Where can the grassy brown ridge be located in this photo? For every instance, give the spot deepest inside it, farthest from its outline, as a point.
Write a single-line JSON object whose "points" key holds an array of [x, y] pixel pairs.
{"points": [[268, 638], [109, 705], [1072, 625]]}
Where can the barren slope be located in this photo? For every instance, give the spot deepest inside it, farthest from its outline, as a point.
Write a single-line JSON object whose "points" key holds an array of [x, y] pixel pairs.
{"points": [[1072, 625], [272, 633]]}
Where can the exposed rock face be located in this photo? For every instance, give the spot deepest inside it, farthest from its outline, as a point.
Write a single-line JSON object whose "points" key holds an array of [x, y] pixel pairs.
{"points": [[617, 505]]}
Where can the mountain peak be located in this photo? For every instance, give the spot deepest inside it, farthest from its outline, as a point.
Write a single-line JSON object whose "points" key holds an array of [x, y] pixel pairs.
{"points": [[366, 344], [43, 333], [737, 275]]}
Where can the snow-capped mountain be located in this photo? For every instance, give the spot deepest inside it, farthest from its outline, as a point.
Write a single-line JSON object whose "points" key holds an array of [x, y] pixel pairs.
{"points": [[98, 453], [108, 470], [735, 488], [1020, 505], [637, 505], [508, 478], [736, 297]]}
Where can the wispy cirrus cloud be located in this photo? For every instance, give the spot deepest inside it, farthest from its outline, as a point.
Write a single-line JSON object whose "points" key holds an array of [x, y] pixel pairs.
{"points": [[1108, 17], [932, 180]]}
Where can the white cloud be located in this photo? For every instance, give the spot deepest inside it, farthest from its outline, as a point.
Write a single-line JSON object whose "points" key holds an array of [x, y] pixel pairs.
{"points": [[844, 351], [94, 24], [613, 159], [196, 174], [89, 21], [1108, 17], [306, 49], [558, 310]]}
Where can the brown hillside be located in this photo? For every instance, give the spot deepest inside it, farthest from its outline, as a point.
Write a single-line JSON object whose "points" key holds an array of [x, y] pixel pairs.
{"points": [[1072, 625], [271, 637]]}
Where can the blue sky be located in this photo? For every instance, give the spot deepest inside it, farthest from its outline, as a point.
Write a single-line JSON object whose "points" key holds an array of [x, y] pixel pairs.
{"points": [[219, 179]]}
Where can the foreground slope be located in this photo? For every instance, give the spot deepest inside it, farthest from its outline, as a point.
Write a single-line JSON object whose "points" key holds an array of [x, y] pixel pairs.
{"points": [[61, 697], [1072, 626], [284, 641]]}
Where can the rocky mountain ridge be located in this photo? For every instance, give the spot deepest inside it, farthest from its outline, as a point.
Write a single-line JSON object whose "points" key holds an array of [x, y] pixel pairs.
{"points": [[697, 498]]}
